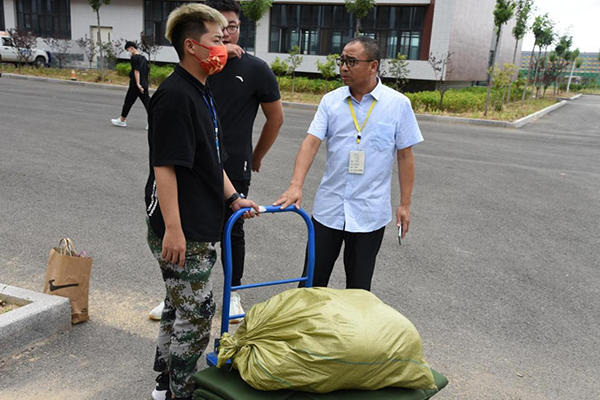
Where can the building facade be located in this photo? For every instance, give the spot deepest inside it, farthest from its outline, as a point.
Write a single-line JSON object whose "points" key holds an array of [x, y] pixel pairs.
{"points": [[587, 73], [415, 28]]}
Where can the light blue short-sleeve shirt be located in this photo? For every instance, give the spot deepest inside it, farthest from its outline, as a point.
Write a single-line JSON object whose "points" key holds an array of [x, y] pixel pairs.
{"points": [[352, 202]]}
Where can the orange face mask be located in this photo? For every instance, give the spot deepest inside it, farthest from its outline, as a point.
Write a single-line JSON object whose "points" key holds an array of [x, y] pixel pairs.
{"points": [[217, 58]]}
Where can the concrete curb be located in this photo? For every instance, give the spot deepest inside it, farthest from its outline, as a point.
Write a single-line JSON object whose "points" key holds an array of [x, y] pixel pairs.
{"points": [[313, 107], [570, 98], [39, 317], [300, 106], [492, 123], [535, 116]]}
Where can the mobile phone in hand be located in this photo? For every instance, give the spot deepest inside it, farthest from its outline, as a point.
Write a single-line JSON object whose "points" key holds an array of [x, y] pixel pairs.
{"points": [[400, 235]]}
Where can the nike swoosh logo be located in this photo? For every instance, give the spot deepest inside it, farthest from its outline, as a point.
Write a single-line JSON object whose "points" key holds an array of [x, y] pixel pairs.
{"points": [[54, 287], [240, 78]]}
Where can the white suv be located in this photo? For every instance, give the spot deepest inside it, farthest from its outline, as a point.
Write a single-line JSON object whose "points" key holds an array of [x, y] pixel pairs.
{"points": [[9, 53]]}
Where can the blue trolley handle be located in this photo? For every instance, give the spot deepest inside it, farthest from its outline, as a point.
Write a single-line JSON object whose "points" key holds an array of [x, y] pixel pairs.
{"points": [[229, 267]]}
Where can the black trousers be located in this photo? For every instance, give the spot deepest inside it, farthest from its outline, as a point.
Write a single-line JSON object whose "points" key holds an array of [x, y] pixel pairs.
{"points": [[360, 252], [132, 95], [238, 241]]}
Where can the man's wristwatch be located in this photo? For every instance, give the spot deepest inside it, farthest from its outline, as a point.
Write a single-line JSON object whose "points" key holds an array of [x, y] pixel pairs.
{"points": [[229, 202]]}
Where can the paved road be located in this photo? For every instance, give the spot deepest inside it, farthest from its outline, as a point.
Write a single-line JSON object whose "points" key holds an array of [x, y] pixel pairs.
{"points": [[500, 271]]}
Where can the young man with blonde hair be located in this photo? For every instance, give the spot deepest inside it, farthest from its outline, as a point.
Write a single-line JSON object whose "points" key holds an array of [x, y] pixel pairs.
{"points": [[186, 194]]}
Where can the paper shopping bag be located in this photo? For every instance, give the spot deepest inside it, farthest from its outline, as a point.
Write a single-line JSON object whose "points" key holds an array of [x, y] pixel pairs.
{"points": [[68, 275]]}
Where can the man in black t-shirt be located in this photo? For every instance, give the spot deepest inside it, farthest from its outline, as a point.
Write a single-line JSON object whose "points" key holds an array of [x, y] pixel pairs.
{"points": [[186, 194], [138, 83], [245, 83]]}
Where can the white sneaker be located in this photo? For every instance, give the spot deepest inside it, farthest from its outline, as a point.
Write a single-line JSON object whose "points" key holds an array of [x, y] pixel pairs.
{"points": [[235, 308], [162, 387], [156, 312], [118, 122]]}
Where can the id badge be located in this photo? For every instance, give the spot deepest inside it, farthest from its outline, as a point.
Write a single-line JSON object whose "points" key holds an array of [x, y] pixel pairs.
{"points": [[357, 162]]}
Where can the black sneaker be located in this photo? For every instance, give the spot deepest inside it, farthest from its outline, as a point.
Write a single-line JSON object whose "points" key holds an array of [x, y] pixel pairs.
{"points": [[162, 391]]}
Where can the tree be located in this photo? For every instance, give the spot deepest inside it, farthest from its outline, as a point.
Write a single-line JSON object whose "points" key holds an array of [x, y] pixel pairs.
{"points": [[502, 80], [442, 68], [599, 69], [329, 68], [561, 59], [113, 49], [502, 14], [59, 48], [24, 42], [546, 38], [96, 4], [293, 62], [399, 71], [575, 63], [279, 67], [88, 45], [537, 29], [150, 46], [553, 67], [360, 9], [523, 12], [254, 11]]}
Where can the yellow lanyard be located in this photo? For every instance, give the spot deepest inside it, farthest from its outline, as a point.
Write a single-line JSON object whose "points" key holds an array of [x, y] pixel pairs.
{"points": [[360, 128]]}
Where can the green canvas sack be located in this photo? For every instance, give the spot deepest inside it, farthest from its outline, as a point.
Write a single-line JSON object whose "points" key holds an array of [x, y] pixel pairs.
{"points": [[320, 340]]}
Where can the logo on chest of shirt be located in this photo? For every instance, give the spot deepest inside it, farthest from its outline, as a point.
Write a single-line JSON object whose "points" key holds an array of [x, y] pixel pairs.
{"points": [[240, 78]]}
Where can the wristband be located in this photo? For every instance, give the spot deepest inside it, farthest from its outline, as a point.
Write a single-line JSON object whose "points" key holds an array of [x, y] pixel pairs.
{"points": [[229, 202]]}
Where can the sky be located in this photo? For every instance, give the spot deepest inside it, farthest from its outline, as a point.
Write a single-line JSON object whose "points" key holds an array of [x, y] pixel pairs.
{"points": [[580, 17]]}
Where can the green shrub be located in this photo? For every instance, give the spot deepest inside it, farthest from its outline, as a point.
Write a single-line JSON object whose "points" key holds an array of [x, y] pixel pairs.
{"points": [[123, 69], [279, 67], [158, 73], [455, 100], [307, 85]]}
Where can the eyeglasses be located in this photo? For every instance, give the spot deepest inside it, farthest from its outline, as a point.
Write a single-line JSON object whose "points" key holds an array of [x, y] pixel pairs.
{"points": [[232, 28], [350, 62]]}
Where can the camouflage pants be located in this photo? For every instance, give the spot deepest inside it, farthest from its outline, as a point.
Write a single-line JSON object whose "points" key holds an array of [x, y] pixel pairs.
{"points": [[189, 307]]}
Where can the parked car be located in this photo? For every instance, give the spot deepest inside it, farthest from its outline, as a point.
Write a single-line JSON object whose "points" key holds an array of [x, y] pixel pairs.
{"points": [[10, 53]]}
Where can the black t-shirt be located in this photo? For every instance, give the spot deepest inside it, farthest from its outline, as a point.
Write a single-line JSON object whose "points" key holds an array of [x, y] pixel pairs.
{"points": [[181, 133], [239, 89], [139, 62]]}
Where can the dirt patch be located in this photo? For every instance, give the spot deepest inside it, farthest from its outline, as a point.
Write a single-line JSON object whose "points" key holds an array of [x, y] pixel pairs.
{"points": [[4, 307]]}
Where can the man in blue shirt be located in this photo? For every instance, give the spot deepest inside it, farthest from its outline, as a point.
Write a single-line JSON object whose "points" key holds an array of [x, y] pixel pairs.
{"points": [[366, 124]]}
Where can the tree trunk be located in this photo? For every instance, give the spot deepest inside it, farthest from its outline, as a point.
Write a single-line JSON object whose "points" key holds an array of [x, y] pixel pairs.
{"points": [[535, 76], [442, 84], [571, 75], [543, 74], [528, 71], [491, 77], [357, 33], [293, 81], [511, 78], [100, 50]]}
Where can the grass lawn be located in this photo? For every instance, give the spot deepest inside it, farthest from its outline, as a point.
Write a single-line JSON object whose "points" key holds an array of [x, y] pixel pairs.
{"points": [[513, 112], [84, 75], [510, 113]]}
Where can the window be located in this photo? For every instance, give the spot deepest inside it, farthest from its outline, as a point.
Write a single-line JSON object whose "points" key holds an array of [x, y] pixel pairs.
{"points": [[155, 22], [45, 18], [247, 33], [2, 15], [323, 30], [155, 18]]}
